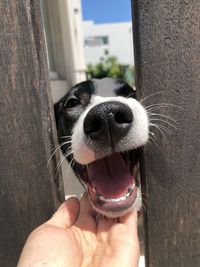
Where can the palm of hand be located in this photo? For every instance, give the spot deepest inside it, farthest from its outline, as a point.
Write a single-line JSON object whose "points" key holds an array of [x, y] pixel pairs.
{"points": [[66, 240]]}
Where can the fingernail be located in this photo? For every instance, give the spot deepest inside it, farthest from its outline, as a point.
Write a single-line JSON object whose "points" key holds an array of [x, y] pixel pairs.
{"points": [[70, 196]]}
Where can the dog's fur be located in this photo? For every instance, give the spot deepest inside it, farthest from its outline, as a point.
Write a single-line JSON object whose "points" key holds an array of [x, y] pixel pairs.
{"points": [[97, 121]]}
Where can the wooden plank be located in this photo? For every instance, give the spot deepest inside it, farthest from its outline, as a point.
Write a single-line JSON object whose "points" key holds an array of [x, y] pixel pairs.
{"points": [[29, 191], [167, 52]]}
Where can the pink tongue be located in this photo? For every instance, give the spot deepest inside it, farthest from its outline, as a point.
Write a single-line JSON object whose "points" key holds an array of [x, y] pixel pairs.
{"points": [[110, 176]]}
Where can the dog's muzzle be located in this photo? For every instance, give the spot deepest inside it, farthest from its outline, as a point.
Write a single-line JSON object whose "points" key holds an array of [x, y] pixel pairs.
{"points": [[106, 142]]}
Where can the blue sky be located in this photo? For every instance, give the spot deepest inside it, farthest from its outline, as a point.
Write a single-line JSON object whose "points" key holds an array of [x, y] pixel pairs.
{"points": [[104, 11]]}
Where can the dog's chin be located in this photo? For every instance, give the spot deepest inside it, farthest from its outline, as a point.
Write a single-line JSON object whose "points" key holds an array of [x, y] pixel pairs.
{"points": [[112, 183]]}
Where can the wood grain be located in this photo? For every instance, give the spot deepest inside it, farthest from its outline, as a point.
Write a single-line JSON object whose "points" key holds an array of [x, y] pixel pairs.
{"points": [[167, 52], [29, 190]]}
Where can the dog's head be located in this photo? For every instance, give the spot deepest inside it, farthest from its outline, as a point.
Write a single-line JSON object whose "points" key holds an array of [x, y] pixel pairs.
{"points": [[101, 127]]}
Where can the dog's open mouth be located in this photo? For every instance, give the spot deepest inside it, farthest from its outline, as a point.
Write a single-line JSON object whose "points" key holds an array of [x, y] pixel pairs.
{"points": [[112, 182]]}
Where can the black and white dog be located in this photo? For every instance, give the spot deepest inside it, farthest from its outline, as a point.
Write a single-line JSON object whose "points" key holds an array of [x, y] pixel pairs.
{"points": [[101, 127]]}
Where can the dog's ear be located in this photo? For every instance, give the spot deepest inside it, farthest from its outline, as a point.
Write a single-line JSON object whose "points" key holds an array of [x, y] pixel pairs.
{"points": [[124, 89], [56, 113], [61, 124], [59, 118]]}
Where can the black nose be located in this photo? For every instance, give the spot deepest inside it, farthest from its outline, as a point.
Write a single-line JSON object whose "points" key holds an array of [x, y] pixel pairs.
{"points": [[108, 122]]}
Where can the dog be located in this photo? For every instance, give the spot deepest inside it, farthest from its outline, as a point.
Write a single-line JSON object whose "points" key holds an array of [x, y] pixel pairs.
{"points": [[101, 129]]}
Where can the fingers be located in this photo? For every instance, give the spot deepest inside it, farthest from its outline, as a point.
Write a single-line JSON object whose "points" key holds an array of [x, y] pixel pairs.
{"points": [[85, 206], [130, 218], [86, 221], [67, 213], [104, 226]]}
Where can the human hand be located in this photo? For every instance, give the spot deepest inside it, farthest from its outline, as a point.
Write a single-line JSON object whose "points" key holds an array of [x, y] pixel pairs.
{"points": [[74, 237]]}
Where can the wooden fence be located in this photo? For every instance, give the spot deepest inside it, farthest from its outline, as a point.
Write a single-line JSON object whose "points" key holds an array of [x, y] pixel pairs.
{"points": [[167, 49], [29, 192]]}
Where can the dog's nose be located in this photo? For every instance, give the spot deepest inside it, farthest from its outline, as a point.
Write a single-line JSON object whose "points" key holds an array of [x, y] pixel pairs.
{"points": [[108, 122]]}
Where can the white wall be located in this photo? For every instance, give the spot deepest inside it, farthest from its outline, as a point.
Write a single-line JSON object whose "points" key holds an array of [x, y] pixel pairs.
{"points": [[120, 41], [64, 37]]}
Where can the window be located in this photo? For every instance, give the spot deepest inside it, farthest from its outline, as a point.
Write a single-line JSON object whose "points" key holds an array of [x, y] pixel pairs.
{"points": [[96, 40]]}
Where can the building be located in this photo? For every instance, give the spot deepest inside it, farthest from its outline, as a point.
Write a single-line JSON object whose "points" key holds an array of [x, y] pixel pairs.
{"points": [[117, 38], [62, 21], [64, 40]]}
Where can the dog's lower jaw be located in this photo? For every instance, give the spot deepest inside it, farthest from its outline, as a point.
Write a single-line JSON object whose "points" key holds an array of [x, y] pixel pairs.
{"points": [[136, 205], [113, 183]]}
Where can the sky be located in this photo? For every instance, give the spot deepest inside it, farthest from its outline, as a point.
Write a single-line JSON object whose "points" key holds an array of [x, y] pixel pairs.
{"points": [[105, 11]]}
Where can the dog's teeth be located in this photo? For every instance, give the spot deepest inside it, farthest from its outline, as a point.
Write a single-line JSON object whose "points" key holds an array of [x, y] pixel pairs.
{"points": [[130, 190], [112, 200], [94, 190]]}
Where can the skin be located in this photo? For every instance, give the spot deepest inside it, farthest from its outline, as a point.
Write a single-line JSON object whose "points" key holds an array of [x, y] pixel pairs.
{"points": [[75, 237]]}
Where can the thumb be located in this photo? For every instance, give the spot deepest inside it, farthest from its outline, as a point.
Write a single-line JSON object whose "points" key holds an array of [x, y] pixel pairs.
{"points": [[67, 213]]}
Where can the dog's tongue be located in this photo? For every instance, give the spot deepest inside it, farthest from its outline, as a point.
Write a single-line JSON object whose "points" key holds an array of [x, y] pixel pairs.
{"points": [[110, 176]]}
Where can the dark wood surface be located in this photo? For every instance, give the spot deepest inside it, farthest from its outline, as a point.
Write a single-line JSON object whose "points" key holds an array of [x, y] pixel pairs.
{"points": [[29, 190], [167, 50]]}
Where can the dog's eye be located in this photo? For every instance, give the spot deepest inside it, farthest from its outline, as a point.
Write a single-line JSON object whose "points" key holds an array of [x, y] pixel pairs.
{"points": [[71, 103]]}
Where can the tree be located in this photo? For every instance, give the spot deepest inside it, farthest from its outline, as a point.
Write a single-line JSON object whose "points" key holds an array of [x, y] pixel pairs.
{"points": [[109, 66]]}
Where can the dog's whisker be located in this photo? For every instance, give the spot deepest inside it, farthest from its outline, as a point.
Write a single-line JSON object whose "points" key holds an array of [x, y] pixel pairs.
{"points": [[131, 94], [69, 147], [63, 157], [161, 105], [164, 121], [165, 129], [152, 141], [144, 207], [147, 97], [68, 153], [152, 138], [69, 167], [159, 129], [162, 115], [66, 136], [62, 144], [57, 147], [143, 204], [152, 134], [53, 148], [59, 164], [72, 163], [161, 126], [154, 109]]}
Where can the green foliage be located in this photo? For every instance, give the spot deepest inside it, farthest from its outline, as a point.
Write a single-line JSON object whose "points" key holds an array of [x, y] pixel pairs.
{"points": [[109, 66]]}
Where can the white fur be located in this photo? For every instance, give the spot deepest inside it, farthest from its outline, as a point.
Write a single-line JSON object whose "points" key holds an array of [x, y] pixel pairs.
{"points": [[137, 136]]}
